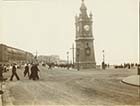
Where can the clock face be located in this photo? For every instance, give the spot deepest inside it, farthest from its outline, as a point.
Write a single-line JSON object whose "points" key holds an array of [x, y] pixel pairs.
{"points": [[86, 27]]}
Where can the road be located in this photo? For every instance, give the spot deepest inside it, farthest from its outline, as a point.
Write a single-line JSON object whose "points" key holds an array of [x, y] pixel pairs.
{"points": [[71, 87]]}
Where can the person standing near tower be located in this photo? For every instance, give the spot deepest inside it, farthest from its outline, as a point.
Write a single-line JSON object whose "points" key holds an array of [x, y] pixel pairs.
{"points": [[14, 73]]}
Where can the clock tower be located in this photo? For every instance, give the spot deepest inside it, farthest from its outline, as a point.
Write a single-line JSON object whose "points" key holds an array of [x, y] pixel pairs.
{"points": [[85, 57]]}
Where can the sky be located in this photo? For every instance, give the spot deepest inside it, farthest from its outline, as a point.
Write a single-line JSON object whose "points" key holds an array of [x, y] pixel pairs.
{"points": [[48, 27]]}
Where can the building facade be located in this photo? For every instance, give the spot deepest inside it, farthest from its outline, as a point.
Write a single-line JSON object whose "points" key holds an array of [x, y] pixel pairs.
{"points": [[10, 54], [85, 56]]}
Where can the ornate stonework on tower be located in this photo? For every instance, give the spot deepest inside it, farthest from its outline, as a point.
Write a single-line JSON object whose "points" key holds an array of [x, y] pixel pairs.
{"points": [[85, 57]]}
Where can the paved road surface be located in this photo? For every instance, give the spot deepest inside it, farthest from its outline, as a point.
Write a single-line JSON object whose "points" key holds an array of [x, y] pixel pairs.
{"points": [[71, 87]]}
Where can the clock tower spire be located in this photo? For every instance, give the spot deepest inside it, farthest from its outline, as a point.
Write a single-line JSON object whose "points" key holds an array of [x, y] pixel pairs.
{"points": [[83, 10], [85, 57]]}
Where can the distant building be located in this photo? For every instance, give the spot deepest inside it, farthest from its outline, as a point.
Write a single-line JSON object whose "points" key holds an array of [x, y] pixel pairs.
{"points": [[49, 59], [85, 56], [63, 62], [10, 54]]}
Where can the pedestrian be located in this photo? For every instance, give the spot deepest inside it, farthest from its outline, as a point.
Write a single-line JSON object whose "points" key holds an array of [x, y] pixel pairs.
{"points": [[1, 72], [14, 73], [34, 72], [26, 71], [50, 66]]}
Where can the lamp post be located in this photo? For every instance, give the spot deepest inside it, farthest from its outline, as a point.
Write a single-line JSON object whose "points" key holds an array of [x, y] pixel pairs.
{"points": [[36, 55], [78, 68], [67, 57], [103, 63], [103, 56], [78, 55], [68, 60], [72, 54], [35, 61]]}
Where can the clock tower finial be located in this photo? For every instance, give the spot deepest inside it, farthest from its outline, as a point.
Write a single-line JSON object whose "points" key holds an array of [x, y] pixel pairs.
{"points": [[83, 7]]}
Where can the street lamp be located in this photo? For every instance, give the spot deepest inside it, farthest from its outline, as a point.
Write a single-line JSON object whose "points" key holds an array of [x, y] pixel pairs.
{"points": [[72, 54], [78, 68], [68, 60], [103, 56], [67, 57], [103, 63], [78, 55]]}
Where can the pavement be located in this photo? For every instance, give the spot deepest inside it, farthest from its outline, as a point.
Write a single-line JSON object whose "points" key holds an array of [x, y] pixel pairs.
{"points": [[71, 87], [132, 80]]}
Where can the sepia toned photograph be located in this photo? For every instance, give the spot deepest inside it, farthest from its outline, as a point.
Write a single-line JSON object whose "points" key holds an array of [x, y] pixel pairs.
{"points": [[69, 53]]}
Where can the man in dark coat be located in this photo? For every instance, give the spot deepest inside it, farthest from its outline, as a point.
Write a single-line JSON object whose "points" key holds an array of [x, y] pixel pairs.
{"points": [[34, 72], [26, 71], [1, 72], [14, 73]]}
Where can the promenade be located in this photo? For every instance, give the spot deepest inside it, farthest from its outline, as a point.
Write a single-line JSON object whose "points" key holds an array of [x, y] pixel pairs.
{"points": [[71, 87]]}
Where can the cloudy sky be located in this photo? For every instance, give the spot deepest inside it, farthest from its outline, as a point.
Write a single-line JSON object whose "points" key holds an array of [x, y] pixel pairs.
{"points": [[48, 27]]}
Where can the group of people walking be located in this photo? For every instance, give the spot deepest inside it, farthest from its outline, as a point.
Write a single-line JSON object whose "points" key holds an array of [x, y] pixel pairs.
{"points": [[32, 75]]}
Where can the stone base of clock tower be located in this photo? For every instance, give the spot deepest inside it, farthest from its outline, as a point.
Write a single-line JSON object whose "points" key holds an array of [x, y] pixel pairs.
{"points": [[85, 65]]}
